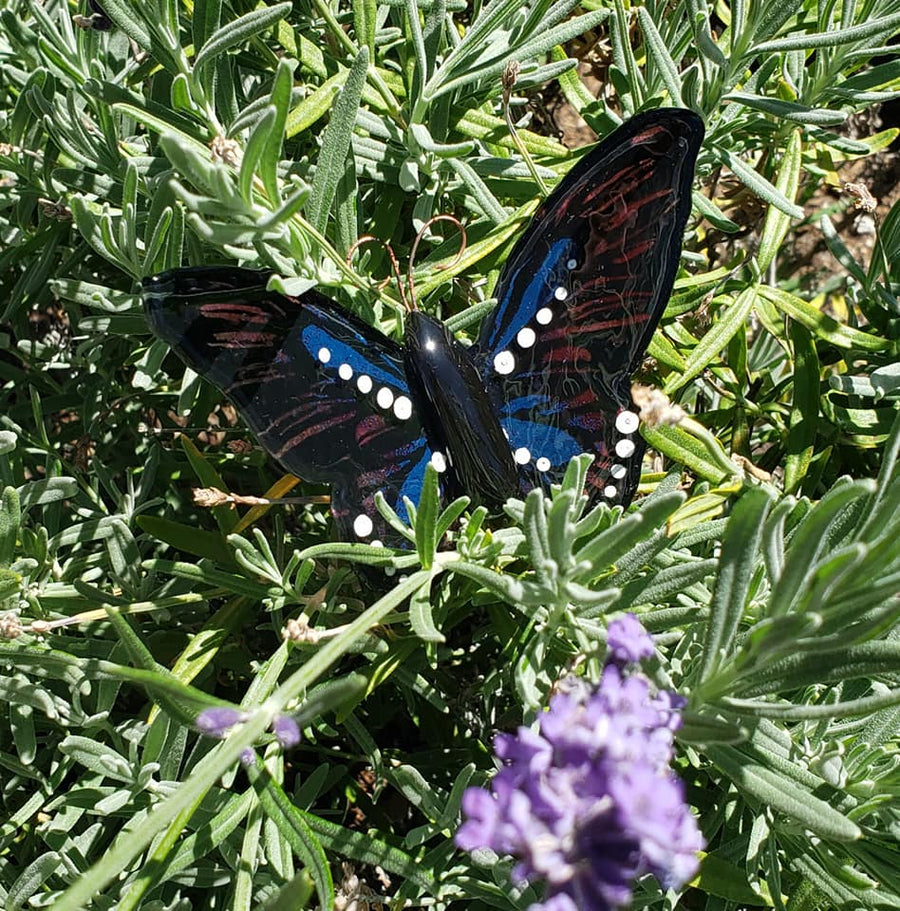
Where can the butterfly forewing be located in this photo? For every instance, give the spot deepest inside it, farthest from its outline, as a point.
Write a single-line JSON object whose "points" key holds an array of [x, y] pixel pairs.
{"points": [[579, 299], [323, 392]]}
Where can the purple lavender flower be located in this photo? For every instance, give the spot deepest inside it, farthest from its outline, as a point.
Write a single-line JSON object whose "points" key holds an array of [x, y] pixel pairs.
{"points": [[286, 731], [628, 641], [589, 803], [216, 722]]}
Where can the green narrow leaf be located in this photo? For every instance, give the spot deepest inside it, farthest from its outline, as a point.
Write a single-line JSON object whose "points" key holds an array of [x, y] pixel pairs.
{"points": [[294, 829], [31, 880], [808, 541], [253, 152], [782, 794], [777, 222], [609, 546], [759, 185], [659, 54], [132, 24], [737, 564], [450, 514], [206, 19], [821, 325], [685, 449], [239, 32], [280, 99], [839, 250], [421, 617], [881, 26], [788, 110], [315, 106], [124, 557], [804, 417], [717, 338], [336, 144], [416, 40], [345, 214], [10, 516], [534, 524], [52, 490], [818, 667], [884, 507], [226, 516], [573, 88], [365, 23], [426, 517], [483, 197]]}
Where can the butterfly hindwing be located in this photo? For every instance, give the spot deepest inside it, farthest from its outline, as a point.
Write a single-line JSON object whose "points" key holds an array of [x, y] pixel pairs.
{"points": [[579, 299], [324, 393]]}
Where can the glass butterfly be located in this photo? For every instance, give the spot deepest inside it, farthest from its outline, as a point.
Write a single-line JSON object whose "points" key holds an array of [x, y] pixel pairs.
{"points": [[333, 400]]}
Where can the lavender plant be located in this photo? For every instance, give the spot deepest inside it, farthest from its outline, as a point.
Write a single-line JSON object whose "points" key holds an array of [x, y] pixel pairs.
{"points": [[211, 707], [590, 803]]}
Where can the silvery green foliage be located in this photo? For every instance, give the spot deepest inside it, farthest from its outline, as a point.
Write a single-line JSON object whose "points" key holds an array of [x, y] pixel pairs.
{"points": [[276, 136]]}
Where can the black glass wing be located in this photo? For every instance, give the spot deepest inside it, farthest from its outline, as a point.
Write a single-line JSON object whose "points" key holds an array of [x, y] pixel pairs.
{"points": [[579, 299], [323, 392]]}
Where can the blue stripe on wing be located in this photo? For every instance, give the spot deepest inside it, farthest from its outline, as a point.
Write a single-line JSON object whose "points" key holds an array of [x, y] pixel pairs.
{"points": [[382, 371], [508, 319], [543, 441]]}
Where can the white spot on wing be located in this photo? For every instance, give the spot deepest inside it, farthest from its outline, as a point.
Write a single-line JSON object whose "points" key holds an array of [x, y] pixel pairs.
{"points": [[439, 462], [376, 543], [385, 398], [345, 371], [403, 408], [526, 337], [362, 526], [522, 455], [543, 464], [572, 263], [560, 294], [364, 383], [618, 471], [324, 355], [504, 363], [626, 422], [610, 491], [624, 448], [544, 315]]}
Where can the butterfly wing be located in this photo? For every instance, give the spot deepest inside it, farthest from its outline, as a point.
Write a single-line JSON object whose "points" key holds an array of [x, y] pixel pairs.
{"points": [[579, 299], [323, 392]]}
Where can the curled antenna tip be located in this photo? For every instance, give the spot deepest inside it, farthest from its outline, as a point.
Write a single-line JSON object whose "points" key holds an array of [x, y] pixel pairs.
{"points": [[422, 231], [369, 239]]}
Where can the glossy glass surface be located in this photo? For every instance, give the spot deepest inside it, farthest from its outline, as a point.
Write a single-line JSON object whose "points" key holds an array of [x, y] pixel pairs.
{"points": [[457, 414], [334, 400], [579, 299]]}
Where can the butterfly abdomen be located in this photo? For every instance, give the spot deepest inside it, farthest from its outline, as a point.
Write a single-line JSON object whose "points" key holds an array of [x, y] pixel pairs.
{"points": [[470, 449]]}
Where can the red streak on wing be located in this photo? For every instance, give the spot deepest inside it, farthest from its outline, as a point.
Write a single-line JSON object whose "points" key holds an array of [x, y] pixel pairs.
{"points": [[312, 431], [240, 312], [633, 251], [631, 320], [568, 353], [588, 397], [244, 338]]}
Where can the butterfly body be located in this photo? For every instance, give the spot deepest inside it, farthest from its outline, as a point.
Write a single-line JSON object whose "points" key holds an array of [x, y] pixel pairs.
{"points": [[334, 400], [460, 422]]}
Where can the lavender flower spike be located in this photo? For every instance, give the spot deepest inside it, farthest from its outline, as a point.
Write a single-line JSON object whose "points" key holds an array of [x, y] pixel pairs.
{"points": [[589, 803], [216, 722], [628, 641]]}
